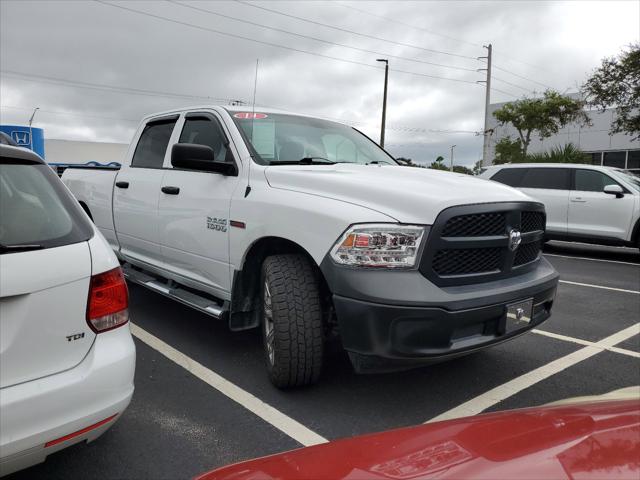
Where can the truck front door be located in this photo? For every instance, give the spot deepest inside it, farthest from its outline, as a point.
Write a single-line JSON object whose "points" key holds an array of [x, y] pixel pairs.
{"points": [[194, 212]]}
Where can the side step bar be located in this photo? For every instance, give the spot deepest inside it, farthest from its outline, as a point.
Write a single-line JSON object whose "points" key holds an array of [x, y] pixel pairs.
{"points": [[208, 305]]}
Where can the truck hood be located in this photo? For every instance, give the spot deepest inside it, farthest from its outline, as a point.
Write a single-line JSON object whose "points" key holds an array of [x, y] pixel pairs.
{"points": [[409, 195]]}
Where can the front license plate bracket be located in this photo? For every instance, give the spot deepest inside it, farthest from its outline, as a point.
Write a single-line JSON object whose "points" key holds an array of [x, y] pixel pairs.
{"points": [[518, 315]]}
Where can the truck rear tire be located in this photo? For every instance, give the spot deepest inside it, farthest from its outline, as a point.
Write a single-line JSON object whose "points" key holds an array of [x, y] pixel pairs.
{"points": [[291, 320]]}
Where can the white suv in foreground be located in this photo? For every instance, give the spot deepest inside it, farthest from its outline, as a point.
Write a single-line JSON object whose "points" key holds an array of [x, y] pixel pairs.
{"points": [[67, 357], [584, 203]]}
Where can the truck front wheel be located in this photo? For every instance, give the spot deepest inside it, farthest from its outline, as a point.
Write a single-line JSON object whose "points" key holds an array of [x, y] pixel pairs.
{"points": [[291, 320]]}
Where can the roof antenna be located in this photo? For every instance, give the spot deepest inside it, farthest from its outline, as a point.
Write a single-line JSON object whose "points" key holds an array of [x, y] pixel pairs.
{"points": [[253, 119]]}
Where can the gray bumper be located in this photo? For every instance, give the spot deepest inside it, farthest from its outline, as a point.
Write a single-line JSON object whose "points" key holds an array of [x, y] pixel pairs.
{"points": [[401, 315]]}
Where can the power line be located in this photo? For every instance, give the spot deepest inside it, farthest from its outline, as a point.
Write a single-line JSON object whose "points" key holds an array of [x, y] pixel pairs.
{"points": [[392, 20], [512, 84], [351, 32], [522, 77], [72, 114], [105, 87], [340, 4], [242, 37], [503, 92], [328, 42]]}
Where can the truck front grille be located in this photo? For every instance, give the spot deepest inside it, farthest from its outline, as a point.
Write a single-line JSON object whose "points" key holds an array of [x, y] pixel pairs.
{"points": [[469, 261], [471, 243], [477, 225], [527, 253], [533, 222]]}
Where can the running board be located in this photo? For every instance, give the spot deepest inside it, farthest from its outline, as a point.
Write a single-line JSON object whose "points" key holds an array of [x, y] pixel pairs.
{"points": [[212, 307]]}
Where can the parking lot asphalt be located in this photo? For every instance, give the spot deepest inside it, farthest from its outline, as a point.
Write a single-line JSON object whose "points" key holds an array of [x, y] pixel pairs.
{"points": [[184, 419]]}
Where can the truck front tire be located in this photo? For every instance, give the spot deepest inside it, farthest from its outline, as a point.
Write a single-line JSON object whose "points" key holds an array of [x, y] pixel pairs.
{"points": [[291, 320]]}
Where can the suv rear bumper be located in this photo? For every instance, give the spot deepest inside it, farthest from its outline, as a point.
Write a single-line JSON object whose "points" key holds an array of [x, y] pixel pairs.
{"points": [[53, 407], [401, 316]]}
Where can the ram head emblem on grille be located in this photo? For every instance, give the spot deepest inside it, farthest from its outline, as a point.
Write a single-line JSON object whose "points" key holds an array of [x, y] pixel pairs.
{"points": [[515, 238]]}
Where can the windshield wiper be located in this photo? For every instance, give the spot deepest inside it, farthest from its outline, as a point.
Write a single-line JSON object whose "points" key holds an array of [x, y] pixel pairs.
{"points": [[19, 248], [304, 161]]}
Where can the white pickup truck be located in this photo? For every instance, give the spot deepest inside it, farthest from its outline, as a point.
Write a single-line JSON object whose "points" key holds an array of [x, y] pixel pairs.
{"points": [[307, 228]]}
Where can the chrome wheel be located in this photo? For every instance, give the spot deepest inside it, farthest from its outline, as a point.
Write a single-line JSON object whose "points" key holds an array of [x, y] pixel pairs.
{"points": [[267, 321]]}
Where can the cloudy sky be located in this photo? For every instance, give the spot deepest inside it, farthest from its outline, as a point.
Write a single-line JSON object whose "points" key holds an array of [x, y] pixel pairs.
{"points": [[96, 67]]}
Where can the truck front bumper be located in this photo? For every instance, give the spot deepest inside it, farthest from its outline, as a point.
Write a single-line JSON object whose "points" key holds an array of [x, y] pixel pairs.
{"points": [[388, 319]]}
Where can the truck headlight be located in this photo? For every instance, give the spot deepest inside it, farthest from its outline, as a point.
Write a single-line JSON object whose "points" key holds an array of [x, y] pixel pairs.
{"points": [[384, 245]]}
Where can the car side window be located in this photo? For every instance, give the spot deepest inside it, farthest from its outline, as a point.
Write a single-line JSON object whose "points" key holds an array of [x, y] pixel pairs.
{"points": [[548, 178], [510, 176], [203, 130], [592, 181], [153, 144]]}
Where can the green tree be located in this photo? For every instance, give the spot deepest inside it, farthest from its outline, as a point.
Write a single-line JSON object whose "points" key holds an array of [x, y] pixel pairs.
{"points": [[545, 115], [616, 83], [477, 168], [462, 169], [568, 153], [508, 151], [438, 163]]}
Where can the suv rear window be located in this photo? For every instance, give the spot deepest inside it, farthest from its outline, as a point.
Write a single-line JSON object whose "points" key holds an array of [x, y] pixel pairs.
{"points": [[36, 210]]}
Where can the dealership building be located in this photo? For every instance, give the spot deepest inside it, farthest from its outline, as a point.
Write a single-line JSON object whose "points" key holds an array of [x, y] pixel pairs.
{"points": [[60, 152], [617, 150]]}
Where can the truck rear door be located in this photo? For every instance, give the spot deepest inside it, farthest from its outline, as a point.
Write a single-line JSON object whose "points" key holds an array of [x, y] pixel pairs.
{"points": [[137, 190]]}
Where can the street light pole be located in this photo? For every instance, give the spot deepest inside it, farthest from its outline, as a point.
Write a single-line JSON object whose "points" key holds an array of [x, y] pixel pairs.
{"points": [[30, 129], [452, 147], [384, 100]]}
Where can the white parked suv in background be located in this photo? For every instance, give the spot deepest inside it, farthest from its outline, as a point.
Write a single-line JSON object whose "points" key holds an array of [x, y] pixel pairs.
{"points": [[584, 203], [67, 357], [307, 228]]}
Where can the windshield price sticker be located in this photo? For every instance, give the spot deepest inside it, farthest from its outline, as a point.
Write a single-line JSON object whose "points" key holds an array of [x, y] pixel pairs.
{"points": [[249, 115]]}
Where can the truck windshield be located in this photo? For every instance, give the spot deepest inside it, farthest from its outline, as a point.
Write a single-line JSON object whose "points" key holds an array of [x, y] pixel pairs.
{"points": [[280, 138], [36, 211]]}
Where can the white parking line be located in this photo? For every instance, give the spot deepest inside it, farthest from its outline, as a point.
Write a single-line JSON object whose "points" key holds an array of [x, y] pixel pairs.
{"points": [[624, 290], [496, 395], [269, 414], [579, 341], [591, 259]]}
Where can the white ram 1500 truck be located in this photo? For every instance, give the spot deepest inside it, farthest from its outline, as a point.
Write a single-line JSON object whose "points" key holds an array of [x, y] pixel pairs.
{"points": [[305, 227]]}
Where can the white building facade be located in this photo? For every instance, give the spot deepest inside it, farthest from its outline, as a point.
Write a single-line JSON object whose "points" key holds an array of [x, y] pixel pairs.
{"points": [[617, 150]]}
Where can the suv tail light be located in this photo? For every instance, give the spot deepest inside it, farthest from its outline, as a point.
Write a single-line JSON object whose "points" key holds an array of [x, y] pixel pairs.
{"points": [[107, 307]]}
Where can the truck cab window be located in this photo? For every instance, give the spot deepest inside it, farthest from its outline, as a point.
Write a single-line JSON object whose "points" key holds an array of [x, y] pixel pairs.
{"points": [[153, 144], [204, 131]]}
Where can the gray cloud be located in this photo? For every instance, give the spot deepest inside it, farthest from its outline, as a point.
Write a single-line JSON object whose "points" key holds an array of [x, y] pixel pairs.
{"points": [[87, 41]]}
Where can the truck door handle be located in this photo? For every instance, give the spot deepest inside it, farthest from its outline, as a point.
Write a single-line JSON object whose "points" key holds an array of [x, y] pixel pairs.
{"points": [[578, 200], [122, 184], [170, 190]]}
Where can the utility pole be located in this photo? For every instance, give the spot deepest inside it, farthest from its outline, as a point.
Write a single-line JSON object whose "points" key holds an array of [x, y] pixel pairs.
{"points": [[451, 167], [384, 100], [487, 101]]}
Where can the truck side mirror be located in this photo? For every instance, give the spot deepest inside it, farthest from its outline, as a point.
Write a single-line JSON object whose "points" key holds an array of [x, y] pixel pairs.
{"points": [[614, 190], [192, 156]]}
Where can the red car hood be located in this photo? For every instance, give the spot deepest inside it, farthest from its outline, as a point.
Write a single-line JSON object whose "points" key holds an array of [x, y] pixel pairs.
{"points": [[597, 440]]}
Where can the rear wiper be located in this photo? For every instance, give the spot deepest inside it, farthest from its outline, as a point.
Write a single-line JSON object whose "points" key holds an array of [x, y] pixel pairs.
{"points": [[19, 248], [304, 161]]}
